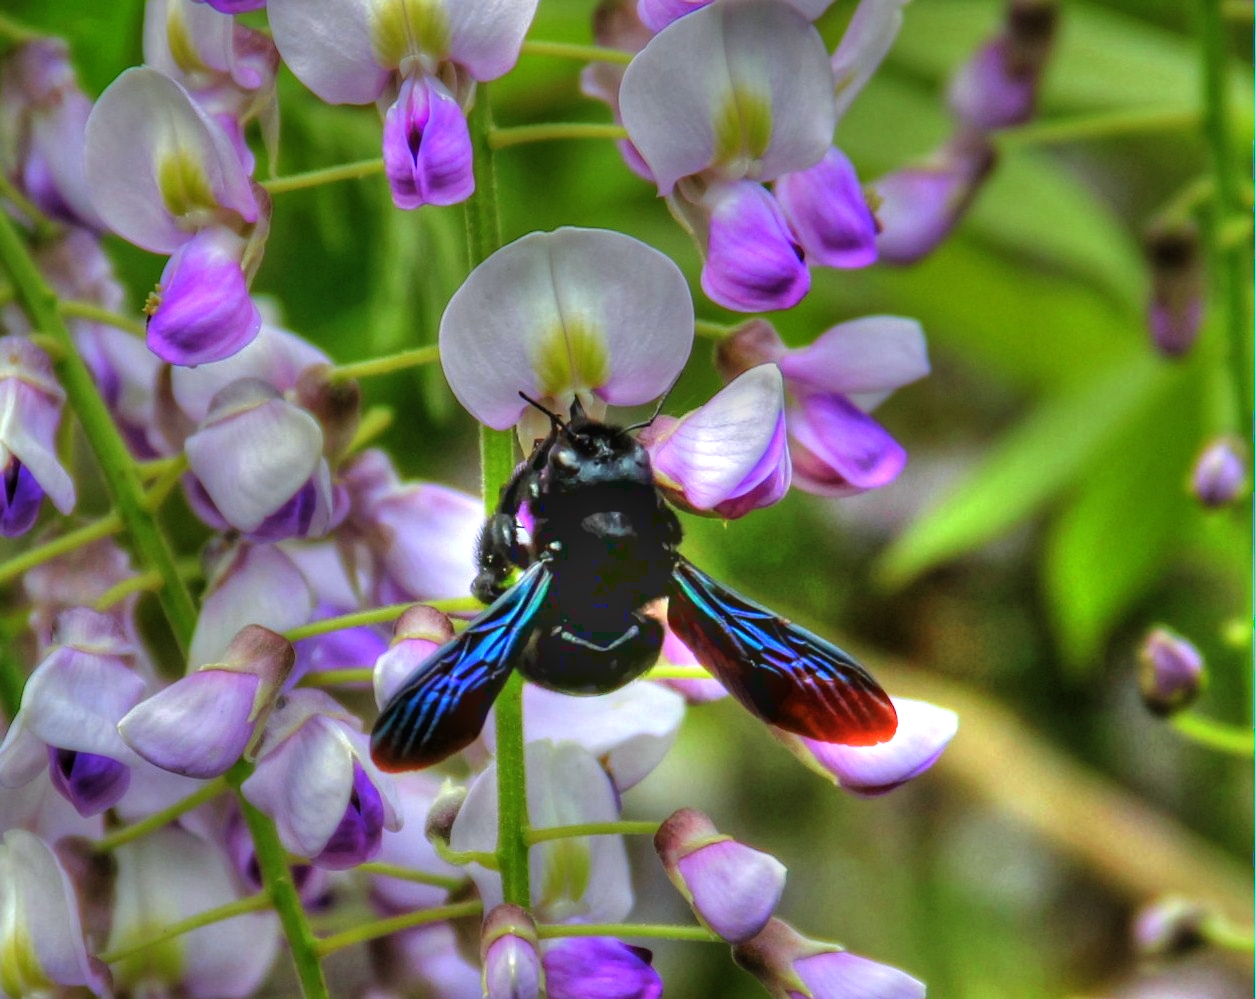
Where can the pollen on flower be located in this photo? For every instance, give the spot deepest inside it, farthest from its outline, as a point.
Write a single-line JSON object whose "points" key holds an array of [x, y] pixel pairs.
{"points": [[152, 303], [571, 357], [406, 27]]}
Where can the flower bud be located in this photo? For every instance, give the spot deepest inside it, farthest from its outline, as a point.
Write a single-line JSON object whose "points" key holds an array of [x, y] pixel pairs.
{"points": [[337, 405], [419, 632], [509, 954], [732, 888], [1169, 926], [791, 966], [1220, 473], [1177, 285], [445, 809], [998, 86], [1170, 671]]}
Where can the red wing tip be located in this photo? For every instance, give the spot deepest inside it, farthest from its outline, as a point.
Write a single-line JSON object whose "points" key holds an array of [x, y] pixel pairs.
{"points": [[872, 731]]}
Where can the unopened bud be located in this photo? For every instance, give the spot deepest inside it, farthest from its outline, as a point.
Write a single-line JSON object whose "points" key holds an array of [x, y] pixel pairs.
{"points": [[441, 816], [1177, 285], [752, 343], [1220, 473], [335, 403], [1170, 671], [1168, 927], [998, 86], [510, 955]]}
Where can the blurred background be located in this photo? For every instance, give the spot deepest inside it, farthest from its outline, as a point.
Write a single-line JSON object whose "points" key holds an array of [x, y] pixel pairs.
{"points": [[1042, 526]]}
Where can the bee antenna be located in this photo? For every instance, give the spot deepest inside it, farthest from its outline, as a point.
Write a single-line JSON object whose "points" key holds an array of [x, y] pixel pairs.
{"points": [[657, 409], [554, 417]]}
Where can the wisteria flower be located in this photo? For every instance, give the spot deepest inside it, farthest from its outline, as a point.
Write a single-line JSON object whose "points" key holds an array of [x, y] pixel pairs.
{"points": [[575, 313], [315, 778], [41, 932], [836, 448], [601, 967], [408, 848], [166, 177], [1171, 671], [30, 412], [420, 61], [924, 731]]}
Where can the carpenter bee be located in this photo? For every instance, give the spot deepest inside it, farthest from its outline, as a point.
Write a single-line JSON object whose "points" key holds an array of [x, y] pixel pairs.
{"points": [[601, 552]]}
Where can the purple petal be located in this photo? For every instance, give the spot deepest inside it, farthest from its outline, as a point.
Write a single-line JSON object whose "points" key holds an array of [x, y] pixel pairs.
{"points": [[427, 536], [734, 889], [89, 782], [987, 92], [198, 726], [1220, 473], [599, 968], [205, 312], [357, 837], [838, 450], [427, 147], [677, 653], [753, 261], [658, 14], [838, 974], [20, 500], [924, 730], [867, 357], [234, 6], [557, 313], [728, 456], [1170, 671], [826, 208]]}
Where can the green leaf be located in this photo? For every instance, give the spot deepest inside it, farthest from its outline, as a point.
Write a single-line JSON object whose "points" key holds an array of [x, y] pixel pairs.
{"points": [[1108, 546], [1025, 469]]}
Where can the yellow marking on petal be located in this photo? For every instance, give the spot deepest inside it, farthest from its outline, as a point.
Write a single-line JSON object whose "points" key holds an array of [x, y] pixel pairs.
{"points": [[179, 38], [20, 971], [743, 129], [403, 28], [158, 963], [571, 358], [567, 871], [184, 185]]}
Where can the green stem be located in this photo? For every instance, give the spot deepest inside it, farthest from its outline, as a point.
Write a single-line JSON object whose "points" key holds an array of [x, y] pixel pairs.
{"points": [[1097, 126], [497, 460], [385, 365], [126, 834], [500, 138], [377, 615], [712, 331], [667, 672], [374, 422], [552, 931], [1214, 734], [409, 874], [40, 304], [386, 927], [593, 829], [1222, 933], [272, 864], [581, 53], [109, 524], [218, 914], [89, 310], [189, 568], [338, 677], [327, 175], [44, 226], [1230, 264]]}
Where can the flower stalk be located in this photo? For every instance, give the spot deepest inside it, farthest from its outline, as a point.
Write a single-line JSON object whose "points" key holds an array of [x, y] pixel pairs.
{"points": [[500, 138], [593, 829], [661, 931], [218, 914], [1215, 735], [326, 175], [385, 927], [128, 834]]}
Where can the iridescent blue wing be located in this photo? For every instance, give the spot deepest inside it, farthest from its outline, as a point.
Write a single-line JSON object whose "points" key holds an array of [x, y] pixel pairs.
{"points": [[442, 707], [778, 671]]}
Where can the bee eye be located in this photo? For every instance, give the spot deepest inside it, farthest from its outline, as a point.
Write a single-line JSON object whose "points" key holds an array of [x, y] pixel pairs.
{"points": [[566, 459]]}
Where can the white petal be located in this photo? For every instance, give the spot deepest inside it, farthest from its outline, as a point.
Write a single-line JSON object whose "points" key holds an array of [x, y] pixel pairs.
{"points": [[74, 700], [23, 755], [486, 35], [28, 419], [203, 35], [563, 312], [678, 88], [327, 44], [141, 119], [868, 38], [872, 355], [409, 848]]}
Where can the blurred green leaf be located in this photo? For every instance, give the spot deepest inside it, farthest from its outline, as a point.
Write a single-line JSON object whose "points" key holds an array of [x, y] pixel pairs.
{"points": [[1024, 470], [1108, 546]]}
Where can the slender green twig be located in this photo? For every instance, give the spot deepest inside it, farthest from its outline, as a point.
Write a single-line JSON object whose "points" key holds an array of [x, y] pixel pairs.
{"points": [[40, 304], [327, 175], [712, 331], [385, 365], [1098, 126], [386, 927], [500, 138], [221, 913], [338, 677], [42, 224], [127, 834], [1214, 734], [410, 874], [377, 615], [553, 931], [109, 524], [593, 829], [581, 53], [145, 582], [374, 422], [94, 312], [1220, 932]]}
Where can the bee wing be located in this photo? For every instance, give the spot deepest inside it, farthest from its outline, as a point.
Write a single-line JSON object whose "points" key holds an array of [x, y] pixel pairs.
{"points": [[442, 707], [778, 671]]}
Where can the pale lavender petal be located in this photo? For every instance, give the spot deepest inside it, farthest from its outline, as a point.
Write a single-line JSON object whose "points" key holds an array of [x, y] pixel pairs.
{"points": [[397, 664], [924, 731], [553, 314], [54, 173], [485, 35], [988, 94], [677, 653], [734, 889], [357, 837], [427, 539], [328, 45], [198, 726], [204, 312], [838, 974], [724, 451], [254, 451], [870, 356], [187, 41], [23, 755], [868, 37], [1171, 671], [745, 89], [512, 969], [409, 848], [1220, 472], [838, 450], [75, 699], [599, 968], [89, 782], [826, 208], [753, 260], [30, 412], [427, 147], [157, 165]]}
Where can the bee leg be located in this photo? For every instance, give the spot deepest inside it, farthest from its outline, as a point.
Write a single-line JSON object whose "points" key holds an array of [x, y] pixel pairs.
{"points": [[498, 550]]}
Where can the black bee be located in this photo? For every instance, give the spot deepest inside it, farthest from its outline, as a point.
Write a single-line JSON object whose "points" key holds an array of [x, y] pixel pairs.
{"points": [[602, 550]]}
